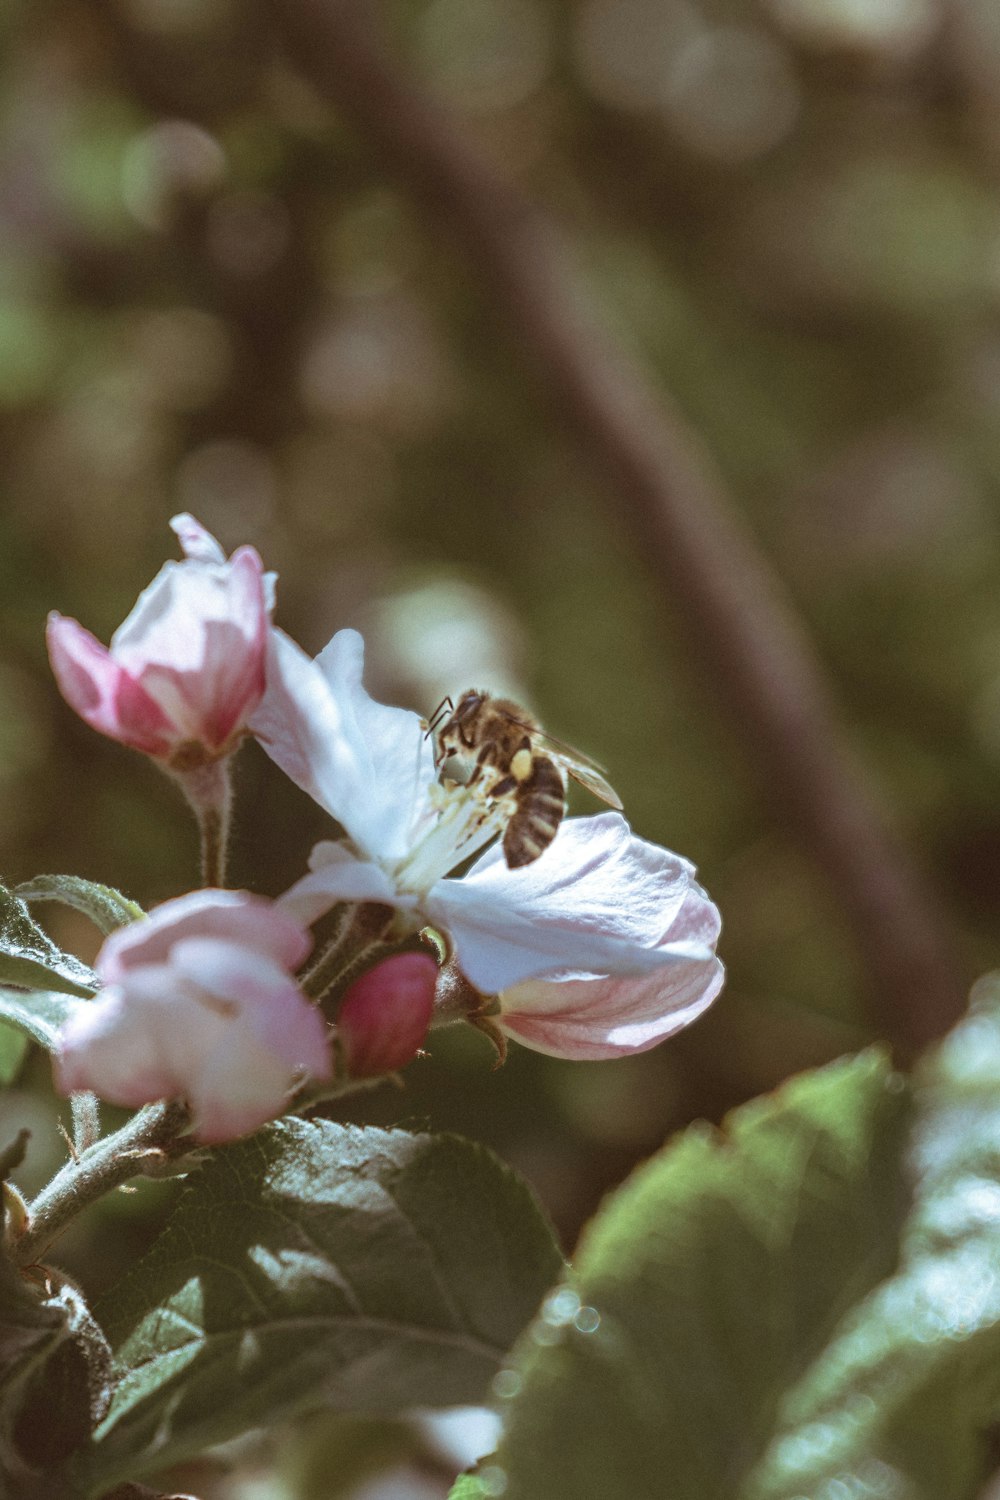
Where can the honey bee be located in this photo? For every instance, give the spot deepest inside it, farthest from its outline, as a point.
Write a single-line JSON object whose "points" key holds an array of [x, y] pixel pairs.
{"points": [[515, 758]]}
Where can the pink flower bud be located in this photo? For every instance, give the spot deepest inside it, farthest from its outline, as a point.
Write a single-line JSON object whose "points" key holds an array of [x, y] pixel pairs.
{"points": [[186, 669], [385, 1014], [199, 1003]]}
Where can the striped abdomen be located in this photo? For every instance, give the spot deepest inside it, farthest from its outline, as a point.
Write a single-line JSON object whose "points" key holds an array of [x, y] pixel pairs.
{"points": [[540, 801]]}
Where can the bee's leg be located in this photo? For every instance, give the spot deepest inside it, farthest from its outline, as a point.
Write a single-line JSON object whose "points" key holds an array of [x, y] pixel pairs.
{"points": [[445, 706], [505, 785], [482, 761]]}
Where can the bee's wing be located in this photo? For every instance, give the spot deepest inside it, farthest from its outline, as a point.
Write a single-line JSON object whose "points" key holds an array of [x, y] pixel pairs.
{"points": [[592, 779], [582, 769]]}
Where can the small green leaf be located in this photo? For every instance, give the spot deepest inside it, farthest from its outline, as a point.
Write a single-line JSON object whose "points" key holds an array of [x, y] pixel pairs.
{"points": [[107, 908], [38, 1014], [29, 957], [470, 1487], [703, 1289], [318, 1265]]}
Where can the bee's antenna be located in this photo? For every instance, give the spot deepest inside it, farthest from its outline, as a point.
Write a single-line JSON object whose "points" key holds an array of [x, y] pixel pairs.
{"points": [[445, 706]]}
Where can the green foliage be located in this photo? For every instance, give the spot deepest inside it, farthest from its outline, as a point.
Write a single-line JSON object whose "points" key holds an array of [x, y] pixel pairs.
{"points": [[29, 957], [38, 1014], [318, 1265], [751, 1317], [899, 1403], [701, 1292], [107, 908]]}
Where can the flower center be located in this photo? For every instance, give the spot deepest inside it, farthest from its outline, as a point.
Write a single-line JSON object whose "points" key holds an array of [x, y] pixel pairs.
{"points": [[465, 819]]}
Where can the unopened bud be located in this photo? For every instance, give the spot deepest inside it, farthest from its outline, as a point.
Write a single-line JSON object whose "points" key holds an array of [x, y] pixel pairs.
{"points": [[385, 1014]]}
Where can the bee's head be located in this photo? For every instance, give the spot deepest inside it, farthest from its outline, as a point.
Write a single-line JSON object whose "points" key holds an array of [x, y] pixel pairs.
{"points": [[469, 704]]}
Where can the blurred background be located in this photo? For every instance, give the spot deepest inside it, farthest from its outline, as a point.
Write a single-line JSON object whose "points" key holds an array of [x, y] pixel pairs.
{"points": [[213, 299]]}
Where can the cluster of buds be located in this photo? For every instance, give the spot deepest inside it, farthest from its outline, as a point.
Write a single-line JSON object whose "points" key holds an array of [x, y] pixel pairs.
{"points": [[600, 947]]}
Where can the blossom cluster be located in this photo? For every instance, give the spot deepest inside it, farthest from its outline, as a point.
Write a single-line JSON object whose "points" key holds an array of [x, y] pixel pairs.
{"points": [[602, 946]]}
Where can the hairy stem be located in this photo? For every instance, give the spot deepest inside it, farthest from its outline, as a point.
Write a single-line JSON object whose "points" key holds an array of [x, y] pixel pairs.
{"points": [[672, 502], [208, 788], [154, 1132], [86, 1111], [358, 940]]}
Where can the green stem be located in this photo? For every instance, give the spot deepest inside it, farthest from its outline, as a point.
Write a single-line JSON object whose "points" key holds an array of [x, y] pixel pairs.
{"points": [[154, 1131], [358, 939]]}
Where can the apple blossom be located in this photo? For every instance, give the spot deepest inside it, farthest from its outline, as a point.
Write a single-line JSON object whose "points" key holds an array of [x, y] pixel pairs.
{"points": [[384, 1015], [599, 903], [186, 668], [199, 1003]]}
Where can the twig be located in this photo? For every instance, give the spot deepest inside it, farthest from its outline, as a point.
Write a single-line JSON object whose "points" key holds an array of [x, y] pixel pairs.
{"points": [[150, 1136], [675, 507]]}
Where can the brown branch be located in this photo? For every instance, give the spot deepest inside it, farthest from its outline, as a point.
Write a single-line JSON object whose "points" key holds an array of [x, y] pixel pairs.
{"points": [[674, 505]]}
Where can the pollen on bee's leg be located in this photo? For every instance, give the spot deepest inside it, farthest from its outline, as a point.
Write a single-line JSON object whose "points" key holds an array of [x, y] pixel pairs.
{"points": [[521, 764]]}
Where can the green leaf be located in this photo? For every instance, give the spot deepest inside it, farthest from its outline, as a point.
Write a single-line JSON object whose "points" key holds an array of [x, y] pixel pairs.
{"points": [[107, 908], [318, 1265], [30, 958], [903, 1396], [703, 1289], [38, 1014], [13, 1046]]}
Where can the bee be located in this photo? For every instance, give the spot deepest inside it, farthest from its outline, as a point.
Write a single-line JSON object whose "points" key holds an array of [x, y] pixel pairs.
{"points": [[517, 759]]}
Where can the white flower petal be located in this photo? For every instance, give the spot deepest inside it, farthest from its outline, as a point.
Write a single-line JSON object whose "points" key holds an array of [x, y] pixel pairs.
{"points": [[402, 755], [305, 731], [196, 543], [597, 901], [340, 877]]}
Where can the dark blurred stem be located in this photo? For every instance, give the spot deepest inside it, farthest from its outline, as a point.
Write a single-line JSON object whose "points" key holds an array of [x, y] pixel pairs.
{"points": [[672, 502], [148, 1138]]}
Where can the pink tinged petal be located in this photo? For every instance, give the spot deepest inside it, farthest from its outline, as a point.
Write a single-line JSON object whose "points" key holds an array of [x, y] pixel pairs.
{"points": [[265, 1003], [108, 1047], [340, 877], [602, 1018], [196, 543], [249, 921], [104, 693], [385, 1014], [196, 640], [240, 1088], [597, 902]]}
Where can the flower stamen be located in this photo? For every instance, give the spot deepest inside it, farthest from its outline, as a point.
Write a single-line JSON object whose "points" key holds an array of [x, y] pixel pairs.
{"points": [[467, 819]]}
